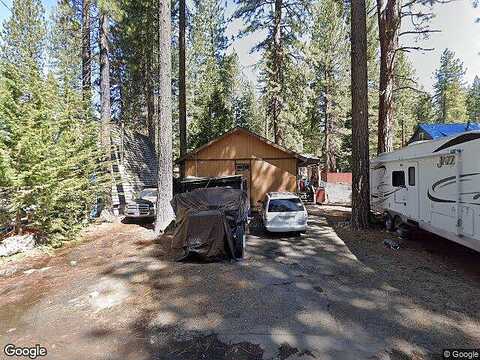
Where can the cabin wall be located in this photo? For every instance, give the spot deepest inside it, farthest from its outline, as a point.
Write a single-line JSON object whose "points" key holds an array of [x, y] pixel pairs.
{"points": [[202, 168], [270, 169], [268, 176]]}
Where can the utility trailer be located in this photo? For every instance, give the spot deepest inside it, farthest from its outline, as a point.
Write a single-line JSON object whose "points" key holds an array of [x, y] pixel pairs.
{"points": [[433, 185]]}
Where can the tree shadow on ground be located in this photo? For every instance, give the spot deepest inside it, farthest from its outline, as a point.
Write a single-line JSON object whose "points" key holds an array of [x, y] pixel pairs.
{"points": [[304, 297]]}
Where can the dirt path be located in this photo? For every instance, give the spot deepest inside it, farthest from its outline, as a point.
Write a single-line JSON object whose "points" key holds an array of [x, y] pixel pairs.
{"points": [[114, 297]]}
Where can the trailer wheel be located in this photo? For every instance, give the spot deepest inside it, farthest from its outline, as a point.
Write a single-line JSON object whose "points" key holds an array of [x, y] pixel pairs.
{"points": [[404, 231], [397, 223], [388, 221]]}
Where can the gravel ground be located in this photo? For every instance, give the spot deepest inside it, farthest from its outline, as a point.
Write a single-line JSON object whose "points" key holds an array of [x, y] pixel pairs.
{"points": [[115, 296], [438, 273]]}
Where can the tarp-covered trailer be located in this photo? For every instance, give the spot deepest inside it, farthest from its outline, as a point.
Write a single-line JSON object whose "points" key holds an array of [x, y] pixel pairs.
{"points": [[210, 223], [433, 185], [191, 183]]}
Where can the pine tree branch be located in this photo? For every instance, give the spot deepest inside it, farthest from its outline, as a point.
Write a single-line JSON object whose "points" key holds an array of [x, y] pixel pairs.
{"points": [[428, 31], [406, 87], [416, 48]]}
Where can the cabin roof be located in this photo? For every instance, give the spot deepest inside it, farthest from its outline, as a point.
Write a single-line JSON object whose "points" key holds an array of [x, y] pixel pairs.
{"points": [[304, 159]]}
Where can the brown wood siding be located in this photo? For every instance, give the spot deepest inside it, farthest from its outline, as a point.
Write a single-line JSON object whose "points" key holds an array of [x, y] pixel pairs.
{"points": [[268, 176], [271, 169], [240, 145], [209, 168]]}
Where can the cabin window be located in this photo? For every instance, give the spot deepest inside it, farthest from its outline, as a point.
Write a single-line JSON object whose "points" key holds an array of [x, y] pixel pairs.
{"points": [[398, 178], [241, 167], [411, 176]]}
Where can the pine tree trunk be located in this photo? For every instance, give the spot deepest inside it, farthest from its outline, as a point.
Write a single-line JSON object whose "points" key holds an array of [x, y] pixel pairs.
{"points": [[182, 99], [403, 133], [360, 156], [105, 107], [388, 12], [151, 113], [444, 107], [149, 95], [86, 51], [326, 149], [277, 72], [330, 163], [165, 169], [326, 146]]}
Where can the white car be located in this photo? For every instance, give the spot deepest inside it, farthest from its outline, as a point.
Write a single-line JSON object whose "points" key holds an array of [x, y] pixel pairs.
{"points": [[284, 212]]}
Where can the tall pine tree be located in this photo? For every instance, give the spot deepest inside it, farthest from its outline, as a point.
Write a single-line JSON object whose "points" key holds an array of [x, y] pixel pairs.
{"points": [[329, 54], [283, 21], [211, 73], [449, 89], [65, 43], [24, 35], [473, 101], [48, 147]]}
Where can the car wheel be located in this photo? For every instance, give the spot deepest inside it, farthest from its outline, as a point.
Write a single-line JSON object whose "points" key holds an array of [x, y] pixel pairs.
{"points": [[388, 221]]}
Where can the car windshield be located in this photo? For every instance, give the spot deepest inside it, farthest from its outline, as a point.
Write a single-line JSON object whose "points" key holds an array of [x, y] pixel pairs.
{"points": [[285, 205], [148, 193]]}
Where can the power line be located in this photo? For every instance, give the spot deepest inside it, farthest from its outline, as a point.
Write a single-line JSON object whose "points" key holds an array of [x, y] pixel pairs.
{"points": [[1, 1]]}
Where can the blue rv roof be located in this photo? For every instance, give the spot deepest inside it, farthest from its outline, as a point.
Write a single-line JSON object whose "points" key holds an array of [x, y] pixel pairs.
{"points": [[436, 131]]}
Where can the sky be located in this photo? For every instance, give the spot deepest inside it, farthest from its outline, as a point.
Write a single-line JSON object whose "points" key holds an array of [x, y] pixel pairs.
{"points": [[459, 32], [456, 20]]}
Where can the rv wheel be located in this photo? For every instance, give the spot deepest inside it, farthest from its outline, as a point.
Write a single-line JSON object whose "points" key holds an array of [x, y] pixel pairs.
{"points": [[388, 221], [397, 223], [404, 231]]}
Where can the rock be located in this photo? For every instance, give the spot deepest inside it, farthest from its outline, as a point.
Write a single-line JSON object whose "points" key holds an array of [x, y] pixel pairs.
{"points": [[73, 263], [8, 271], [16, 244], [31, 271], [107, 216]]}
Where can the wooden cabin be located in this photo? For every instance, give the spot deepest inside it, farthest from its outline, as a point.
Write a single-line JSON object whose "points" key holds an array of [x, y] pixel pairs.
{"points": [[265, 165]]}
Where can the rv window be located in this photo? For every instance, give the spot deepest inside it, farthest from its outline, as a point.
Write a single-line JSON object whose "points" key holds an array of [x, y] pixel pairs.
{"points": [[398, 178], [411, 176]]}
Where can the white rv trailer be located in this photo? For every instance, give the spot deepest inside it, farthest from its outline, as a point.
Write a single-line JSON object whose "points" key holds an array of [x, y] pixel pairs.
{"points": [[433, 185]]}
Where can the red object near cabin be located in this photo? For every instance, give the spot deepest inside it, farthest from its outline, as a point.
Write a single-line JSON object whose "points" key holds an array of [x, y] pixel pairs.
{"points": [[320, 196], [337, 178]]}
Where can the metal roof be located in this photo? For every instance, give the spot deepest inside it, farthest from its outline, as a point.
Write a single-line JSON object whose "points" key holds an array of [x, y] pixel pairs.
{"points": [[435, 131], [302, 159]]}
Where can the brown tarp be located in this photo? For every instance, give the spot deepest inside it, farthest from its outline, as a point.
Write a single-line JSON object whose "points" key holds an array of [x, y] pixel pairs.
{"points": [[205, 221]]}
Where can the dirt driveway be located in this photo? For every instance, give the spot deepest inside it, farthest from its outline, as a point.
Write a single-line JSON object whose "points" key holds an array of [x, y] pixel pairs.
{"points": [[314, 297]]}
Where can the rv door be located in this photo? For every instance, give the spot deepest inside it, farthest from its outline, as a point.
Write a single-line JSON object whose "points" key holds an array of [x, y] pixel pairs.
{"points": [[412, 186], [405, 181]]}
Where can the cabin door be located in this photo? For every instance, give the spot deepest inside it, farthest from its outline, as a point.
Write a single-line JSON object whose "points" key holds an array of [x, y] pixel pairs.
{"points": [[411, 194], [243, 167]]}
